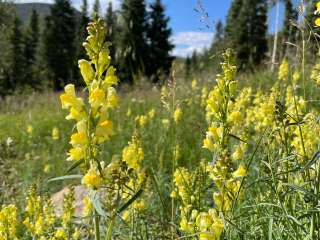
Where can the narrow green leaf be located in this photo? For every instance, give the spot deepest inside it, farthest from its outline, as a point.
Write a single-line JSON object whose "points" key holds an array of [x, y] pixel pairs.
{"points": [[65, 178], [75, 165]]}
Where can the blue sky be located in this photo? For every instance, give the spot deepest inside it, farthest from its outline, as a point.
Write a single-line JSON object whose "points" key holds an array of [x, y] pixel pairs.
{"points": [[191, 29]]}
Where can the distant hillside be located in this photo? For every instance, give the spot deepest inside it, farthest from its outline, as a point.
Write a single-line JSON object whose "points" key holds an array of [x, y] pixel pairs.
{"points": [[24, 10]]}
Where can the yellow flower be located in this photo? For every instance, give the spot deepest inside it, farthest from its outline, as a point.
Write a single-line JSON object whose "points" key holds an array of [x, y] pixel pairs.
{"points": [[55, 133], [8, 222], [317, 22], [317, 8], [79, 139], [240, 172], [96, 97], [139, 205], [92, 179], [69, 99], [112, 100], [203, 221], [177, 115], [76, 154], [86, 70], [194, 84], [60, 234], [76, 235], [87, 207], [104, 131], [165, 122], [111, 78], [76, 115], [47, 168], [296, 77], [133, 154], [283, 70], [29, 130], [126, 216], [152, 113], [142, 120]]}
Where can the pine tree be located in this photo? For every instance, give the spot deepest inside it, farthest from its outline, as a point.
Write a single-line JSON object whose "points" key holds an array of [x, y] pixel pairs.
{"points": [[218, 41], [232, 24], [259, 29], [111, 21], [289, 31], [96, 9], [31, 45], [60, 48], [17, 63], [310, 23], [6, 21], [159, 33], [133, 40], [246, 30]]}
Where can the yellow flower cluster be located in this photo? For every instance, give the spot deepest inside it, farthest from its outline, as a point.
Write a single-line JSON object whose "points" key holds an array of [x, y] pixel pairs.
{"points": [[8, 222], [283, 73], [315, 73], [40, 215], [187, 189], [93, 121], [317, 12], [133, 154]]}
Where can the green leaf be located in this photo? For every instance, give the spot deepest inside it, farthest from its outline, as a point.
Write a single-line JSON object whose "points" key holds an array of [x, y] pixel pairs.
{"points": [[130, 201], [74, 165], [97, 204], [65, 178], [314, 159]]}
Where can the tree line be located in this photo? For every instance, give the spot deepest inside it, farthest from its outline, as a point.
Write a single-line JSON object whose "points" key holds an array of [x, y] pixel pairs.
{"points": [[246, 30], [44, 54]]}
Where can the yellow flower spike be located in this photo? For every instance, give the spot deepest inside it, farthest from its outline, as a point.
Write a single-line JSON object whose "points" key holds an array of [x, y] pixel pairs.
{"points": [[283, 70], [87, 207], [92, 179], [317, 22], [194, 84], [240, 172], [296, 77], [29, 130], [76, 154], [8, 222], [55, 133], [142, 120], [87, 71], [152, 113], [133, 154], [177, 115]]}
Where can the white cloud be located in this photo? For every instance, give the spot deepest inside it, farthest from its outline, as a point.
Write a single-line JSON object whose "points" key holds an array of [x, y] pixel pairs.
{"points": [[187, 42]]}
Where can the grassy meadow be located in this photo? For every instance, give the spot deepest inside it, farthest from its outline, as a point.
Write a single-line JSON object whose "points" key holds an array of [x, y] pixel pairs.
{"points": [[231, 156]]}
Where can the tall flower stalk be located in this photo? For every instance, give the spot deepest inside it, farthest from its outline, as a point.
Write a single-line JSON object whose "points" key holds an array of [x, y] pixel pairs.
{"points": [[92, 115]]}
